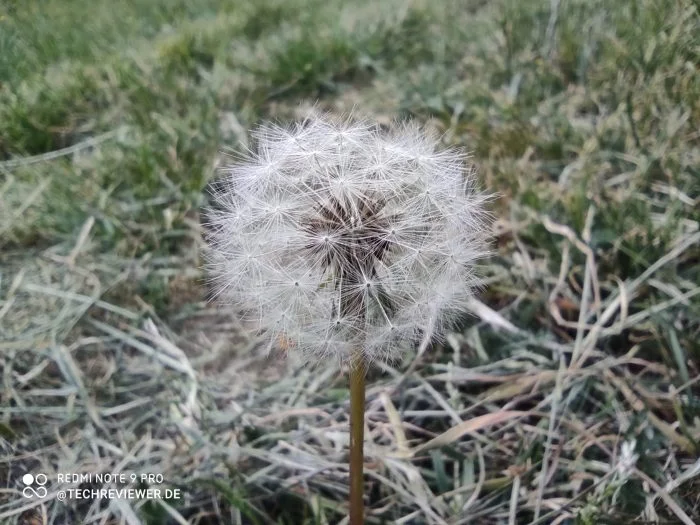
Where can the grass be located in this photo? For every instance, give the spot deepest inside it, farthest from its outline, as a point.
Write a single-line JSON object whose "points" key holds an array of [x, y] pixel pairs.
{"points": [[582, 353]]}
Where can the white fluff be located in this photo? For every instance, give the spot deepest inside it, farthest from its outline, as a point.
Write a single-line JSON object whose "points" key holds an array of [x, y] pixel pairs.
{"points": [[335, 236]]}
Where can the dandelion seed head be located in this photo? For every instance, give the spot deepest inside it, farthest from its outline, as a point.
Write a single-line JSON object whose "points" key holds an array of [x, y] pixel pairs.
{"points": [[335, 236]]}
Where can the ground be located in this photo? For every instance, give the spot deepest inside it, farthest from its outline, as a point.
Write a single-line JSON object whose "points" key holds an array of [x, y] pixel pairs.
{"points": [[569, 395]]}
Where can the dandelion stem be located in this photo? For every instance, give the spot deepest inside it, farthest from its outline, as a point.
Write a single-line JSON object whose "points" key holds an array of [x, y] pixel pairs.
{"points": [[358, 370]]}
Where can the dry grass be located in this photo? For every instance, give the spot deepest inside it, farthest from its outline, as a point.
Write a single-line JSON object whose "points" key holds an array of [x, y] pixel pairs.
{"points": [[569, 396]]}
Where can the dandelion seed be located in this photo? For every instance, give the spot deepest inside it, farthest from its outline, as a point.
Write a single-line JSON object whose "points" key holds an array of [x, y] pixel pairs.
{"points": [[627, 460], [339, 205]]}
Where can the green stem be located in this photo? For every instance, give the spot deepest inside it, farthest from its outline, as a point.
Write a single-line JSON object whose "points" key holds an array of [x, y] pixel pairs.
{"points": [[358, 370]]}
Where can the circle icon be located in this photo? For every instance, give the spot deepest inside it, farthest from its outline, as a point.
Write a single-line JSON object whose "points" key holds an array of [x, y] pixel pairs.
{"points": [[27, 479], [41, 479]]}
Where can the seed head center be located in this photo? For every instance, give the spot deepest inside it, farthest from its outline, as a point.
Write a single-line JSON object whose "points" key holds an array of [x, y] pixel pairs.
{"points": [[353, 233]]}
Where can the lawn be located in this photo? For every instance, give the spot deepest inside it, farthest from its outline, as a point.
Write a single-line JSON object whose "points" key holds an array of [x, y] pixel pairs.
{"points": [[570, 395]]}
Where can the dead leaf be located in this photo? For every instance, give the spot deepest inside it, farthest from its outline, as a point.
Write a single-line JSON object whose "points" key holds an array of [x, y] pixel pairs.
{"points": [[467, 427]]}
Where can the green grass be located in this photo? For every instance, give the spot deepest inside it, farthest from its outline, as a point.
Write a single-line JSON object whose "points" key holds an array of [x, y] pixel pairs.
{"points": [[114, 118]]}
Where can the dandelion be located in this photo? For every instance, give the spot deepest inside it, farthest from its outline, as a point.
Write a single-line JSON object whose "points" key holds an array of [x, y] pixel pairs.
{"points": [[348, 242]]}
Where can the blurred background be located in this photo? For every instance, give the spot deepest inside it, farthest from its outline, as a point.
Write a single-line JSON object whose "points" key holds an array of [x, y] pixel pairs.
{"points": [[570, 395]]}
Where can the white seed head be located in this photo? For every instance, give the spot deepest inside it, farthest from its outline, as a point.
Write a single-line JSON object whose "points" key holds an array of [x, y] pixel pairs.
{"points": [[335, 236]]}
